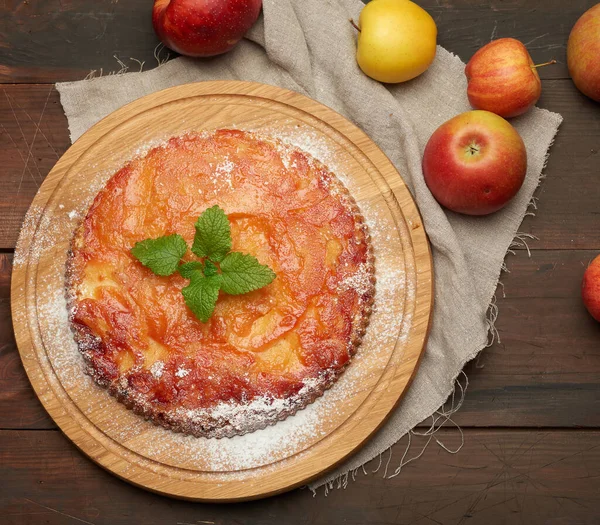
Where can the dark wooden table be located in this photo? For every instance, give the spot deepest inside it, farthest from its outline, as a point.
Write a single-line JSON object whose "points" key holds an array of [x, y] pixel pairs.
{"points": [[531, 417]]}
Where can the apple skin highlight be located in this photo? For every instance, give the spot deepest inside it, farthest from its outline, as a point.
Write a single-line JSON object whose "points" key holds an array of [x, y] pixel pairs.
{"points": [[475, 163], [502, 78], [203, 28]]}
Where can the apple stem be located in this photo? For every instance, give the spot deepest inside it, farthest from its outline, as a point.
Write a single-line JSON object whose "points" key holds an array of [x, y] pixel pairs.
{"points": [[354, 25], [473, 149], [544, 64]]}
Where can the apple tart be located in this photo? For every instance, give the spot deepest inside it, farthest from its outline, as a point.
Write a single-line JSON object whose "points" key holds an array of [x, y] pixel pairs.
{"points": [[261, 356]]}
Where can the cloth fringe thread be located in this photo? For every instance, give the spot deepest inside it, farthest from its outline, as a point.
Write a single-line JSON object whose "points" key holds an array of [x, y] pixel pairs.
{"points": [[413, 449], [124, 68]]}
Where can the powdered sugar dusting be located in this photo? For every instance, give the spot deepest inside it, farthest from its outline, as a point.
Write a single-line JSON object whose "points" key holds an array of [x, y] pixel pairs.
{"points": [[359, 281], [224, 172], [286, 438], [52, 306], [391, 279], [182, 371], [157, 369], [309, 141], [28, 228], [46, 229]]}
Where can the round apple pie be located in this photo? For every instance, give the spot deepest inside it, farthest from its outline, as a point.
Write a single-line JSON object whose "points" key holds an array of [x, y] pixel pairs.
{"points": [[261, 356]]}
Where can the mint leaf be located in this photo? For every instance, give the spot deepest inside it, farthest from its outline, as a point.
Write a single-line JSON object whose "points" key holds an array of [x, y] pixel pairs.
{"points": [[190, 268], [213, 235], [210, 268], [161, 255], [239, 273], [201, 295], [242, 273]]}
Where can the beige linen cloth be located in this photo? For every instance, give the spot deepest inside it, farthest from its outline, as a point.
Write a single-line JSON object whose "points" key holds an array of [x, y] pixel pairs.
{"points": [[309, 46]]}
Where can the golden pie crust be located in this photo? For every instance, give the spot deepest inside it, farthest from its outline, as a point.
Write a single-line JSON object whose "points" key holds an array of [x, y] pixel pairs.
{"points": [[262, 356]]}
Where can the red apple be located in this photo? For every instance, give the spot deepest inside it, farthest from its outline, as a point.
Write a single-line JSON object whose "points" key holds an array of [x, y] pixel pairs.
{"points": [[203, 28], [503, 79], [590, 288], [583, 53], [475, 163]]}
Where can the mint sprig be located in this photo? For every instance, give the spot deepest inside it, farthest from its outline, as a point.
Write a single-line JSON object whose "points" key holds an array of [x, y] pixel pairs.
{"points": [[242, 273], [186, 270], [213, 235], [218, 268], [161, 255], [201, 295], [210, 268]]}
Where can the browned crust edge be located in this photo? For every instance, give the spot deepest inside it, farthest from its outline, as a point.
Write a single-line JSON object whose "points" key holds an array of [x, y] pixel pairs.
{"points": [[210, 427]]}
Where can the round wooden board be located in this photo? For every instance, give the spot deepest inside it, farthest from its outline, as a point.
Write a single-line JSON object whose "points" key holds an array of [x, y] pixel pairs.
{"points": [[181, 466]]}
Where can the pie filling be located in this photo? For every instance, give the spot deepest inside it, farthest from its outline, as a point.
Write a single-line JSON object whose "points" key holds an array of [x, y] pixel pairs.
{"points": [[262, 355]]}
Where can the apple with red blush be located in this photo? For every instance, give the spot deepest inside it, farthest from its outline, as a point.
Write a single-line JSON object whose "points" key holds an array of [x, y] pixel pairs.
{"points": [[503, 79], [475, 163], [583, 53], [203, 28], [590, 288]]}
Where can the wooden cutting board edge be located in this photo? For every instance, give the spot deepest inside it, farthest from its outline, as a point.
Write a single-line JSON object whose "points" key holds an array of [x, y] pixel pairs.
{"points": [[423, 299]]}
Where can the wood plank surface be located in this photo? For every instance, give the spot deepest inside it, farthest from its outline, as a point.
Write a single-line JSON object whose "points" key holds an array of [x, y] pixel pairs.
{"points": [[544, 372], [499, 477], [33, 134], [59, 40]]}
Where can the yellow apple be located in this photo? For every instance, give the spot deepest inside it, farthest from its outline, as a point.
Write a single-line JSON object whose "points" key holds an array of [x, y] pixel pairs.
{"points": [[396, 41]]}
